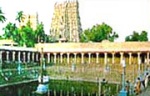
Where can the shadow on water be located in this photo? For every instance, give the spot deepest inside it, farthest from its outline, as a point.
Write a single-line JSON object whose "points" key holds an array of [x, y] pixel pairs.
{"points": [[19, 90], [57, 88]]}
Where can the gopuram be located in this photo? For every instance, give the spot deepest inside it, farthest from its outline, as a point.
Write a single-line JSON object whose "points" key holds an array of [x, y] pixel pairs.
{"points": [[66, 21]]}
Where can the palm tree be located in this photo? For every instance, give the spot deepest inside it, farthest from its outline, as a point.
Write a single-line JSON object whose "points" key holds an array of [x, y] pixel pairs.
{"points": [[20, 16], [2, 17]]}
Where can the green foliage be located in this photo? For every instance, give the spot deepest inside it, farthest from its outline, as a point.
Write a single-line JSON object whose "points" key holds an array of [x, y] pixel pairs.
{"points": [[39, 36], [137, 37], [20, 16], [2, 17], [25, 35], [98, 33], [10, 30]]}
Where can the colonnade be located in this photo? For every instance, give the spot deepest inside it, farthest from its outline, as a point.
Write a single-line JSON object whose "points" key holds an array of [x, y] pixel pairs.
{"points": [[24, 56], [142, 57], [88, 57]]}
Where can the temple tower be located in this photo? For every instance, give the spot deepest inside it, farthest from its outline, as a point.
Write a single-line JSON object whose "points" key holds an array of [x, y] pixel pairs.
{"points": [[66, 21]]}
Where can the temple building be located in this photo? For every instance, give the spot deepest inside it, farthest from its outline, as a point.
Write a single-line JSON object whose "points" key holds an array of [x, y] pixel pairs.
{"points": [[80, 53], [66, 21], [92, 59], [32, 19]]}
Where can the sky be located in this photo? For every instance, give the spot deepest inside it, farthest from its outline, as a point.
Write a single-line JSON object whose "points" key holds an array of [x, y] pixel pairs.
{"points": [[124, 16]]}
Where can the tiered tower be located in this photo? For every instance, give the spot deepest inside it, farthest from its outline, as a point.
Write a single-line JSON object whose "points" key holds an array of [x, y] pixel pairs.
{"points": [[32, 18], [66, 21]]}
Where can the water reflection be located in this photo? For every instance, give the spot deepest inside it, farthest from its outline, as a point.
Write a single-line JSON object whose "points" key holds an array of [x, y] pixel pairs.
{"points": [[56, 88], [19, 90]]}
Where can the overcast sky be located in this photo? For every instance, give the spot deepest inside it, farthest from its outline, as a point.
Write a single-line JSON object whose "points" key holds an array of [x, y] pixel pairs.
{"points": [[124, 16]]}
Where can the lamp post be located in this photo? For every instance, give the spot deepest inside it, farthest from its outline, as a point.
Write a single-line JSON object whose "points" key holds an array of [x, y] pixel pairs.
{"points": [[123, 91]]}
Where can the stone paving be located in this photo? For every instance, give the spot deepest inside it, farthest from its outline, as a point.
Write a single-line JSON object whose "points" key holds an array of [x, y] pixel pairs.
{"points": [[146, 92]]}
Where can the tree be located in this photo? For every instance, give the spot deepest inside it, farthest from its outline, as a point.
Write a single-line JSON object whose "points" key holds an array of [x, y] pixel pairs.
{"points": [[20, 16], [27, 36], [137, 37], [10, 31], [2, 17], [39, 33], [22, 36], [26, 33], [98, 33], [144, 36]]}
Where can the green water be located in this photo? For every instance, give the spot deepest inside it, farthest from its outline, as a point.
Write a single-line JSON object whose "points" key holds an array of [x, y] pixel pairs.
{"points": [[60, 88]]}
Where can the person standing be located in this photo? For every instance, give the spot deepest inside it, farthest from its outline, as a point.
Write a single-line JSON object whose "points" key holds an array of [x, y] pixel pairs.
{"points": [[146, 80], [138, 86]]}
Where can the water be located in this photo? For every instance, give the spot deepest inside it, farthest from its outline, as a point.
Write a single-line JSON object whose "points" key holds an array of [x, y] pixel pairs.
{"points": [[58, 88], [18, 90]]}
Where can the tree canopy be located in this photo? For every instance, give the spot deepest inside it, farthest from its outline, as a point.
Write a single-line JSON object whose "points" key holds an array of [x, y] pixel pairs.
{"points": [[20, 16], [136, 36], [2, 17], [24, 35], [98, 33]]}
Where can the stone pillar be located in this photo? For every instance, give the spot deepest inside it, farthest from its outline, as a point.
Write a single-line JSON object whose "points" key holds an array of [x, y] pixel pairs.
{"points": [[24, 57], [13, 55], [37, 56], [75, 57], [48, 57], [19, 56], [68, 57], [130, 58], [82, 58], [139, 62], [97, 55], [1, 58], [105, 58], [7, 55], [61, 57], [89, 57], [113, 58], [147, 58], [33, 56], [139, 59], [121, 57], [28, 56], [55, 58]]}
